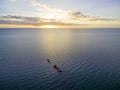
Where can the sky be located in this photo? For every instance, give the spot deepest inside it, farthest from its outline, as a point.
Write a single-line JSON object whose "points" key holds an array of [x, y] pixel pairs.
{"points": [[59, 13]]}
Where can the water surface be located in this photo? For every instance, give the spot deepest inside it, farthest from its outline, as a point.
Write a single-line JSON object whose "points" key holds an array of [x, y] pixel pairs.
{"points": [[89, 58]]}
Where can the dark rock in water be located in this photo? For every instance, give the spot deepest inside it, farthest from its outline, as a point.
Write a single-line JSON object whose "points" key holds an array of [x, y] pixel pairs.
{"points": [[57, 68], [49, 60]]}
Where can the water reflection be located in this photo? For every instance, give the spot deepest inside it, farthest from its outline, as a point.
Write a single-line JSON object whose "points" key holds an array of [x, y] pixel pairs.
{"points": [[54, 41], [58, 42]]}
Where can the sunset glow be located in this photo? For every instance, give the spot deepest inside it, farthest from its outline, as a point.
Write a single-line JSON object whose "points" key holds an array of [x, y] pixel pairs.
{"points": [[49, 26], [51, 14]]}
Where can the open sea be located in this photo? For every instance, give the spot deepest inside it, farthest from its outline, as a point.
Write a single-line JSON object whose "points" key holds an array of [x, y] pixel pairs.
{"points": [[89, 59]]}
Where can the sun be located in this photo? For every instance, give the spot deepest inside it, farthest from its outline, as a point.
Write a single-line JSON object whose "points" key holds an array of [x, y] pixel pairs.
{"points": [[49, 26]]}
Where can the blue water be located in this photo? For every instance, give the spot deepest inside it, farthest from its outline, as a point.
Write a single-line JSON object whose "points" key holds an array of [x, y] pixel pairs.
{"points": [[89, 59]]}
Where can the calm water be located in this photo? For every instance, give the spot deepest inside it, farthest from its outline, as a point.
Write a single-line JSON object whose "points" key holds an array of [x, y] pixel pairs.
{"points": [[89, 58]]}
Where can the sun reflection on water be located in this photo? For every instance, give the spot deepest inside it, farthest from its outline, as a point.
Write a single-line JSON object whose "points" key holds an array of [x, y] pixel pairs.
{"points": [[58, 43]]}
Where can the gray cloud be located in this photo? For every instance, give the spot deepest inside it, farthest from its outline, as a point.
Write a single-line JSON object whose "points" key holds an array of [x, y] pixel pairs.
{"points": [[19, 17], [100, 19], [9, 19], [36, 21], [79, 15]]}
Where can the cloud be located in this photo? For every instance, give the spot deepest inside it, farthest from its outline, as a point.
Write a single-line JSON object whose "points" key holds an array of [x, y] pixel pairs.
{"points": [[40, 5], [48, 11], [52, 16], [77, 15], [81, 16], [35, 21], [96, 18], [38, 13], [39, 21], [54, 13], [19, 20]]}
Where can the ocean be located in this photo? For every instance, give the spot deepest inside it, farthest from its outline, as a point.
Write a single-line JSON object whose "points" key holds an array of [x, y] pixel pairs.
{"points": [[89, 59]]}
